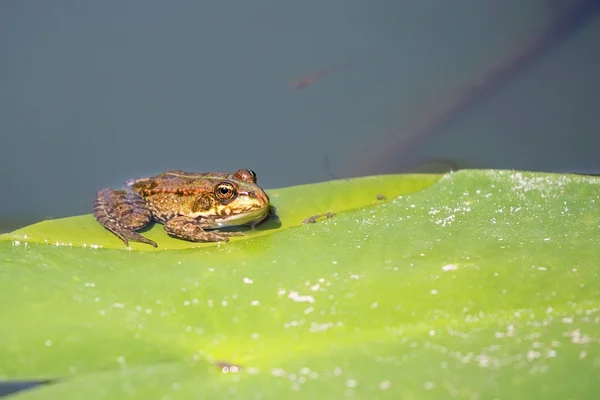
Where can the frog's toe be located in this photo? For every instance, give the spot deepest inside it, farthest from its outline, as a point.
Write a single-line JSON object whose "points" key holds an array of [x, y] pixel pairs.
{"points": [[212, 237], [230, 233], [191, 229], [125, 234], [128, 235]]}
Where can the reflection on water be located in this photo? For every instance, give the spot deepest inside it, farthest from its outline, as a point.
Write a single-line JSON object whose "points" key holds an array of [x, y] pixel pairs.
{"points": [[11, 225], [8, 388], [217, 97]]}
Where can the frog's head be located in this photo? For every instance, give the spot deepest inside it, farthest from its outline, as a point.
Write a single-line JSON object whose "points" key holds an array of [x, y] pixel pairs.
{"points": [[234, 200]]}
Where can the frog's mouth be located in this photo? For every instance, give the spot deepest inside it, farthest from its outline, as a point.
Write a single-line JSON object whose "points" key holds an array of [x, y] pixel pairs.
{"points": [[242, 219]]}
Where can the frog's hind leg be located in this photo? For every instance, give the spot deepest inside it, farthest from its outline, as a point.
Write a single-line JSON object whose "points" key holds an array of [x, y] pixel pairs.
{"points": [[123, 213], [193, 230]]}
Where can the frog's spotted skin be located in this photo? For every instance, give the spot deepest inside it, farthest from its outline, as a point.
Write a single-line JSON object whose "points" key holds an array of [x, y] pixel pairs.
{"points": [[186, 203], [123, 213]]}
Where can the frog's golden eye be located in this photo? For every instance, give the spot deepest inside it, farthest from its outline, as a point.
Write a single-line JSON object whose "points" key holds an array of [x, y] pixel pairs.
{"points": [[225, 191]]}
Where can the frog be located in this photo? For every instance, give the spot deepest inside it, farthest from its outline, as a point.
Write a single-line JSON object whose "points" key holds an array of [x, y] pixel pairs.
{"points": [[191, 206]]}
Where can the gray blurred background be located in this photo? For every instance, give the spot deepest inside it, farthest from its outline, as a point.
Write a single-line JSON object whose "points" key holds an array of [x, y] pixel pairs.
{"points": [[95, 92]]}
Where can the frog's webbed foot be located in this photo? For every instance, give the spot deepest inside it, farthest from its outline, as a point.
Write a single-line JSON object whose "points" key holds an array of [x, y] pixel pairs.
{"points": [[193, 230], [230, 233], [123, 212]]}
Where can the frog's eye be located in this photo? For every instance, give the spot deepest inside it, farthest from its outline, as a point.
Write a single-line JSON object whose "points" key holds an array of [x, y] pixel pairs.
{"points": [[252, 174], [246, 174], [225, 191]]}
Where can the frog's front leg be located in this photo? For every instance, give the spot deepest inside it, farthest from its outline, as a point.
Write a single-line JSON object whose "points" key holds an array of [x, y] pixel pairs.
{"points": [[122, 212], [193, 229]]}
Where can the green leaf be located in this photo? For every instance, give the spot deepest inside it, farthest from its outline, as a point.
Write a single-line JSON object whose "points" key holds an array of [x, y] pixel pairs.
{"points": [[293, 205], [482, 285]]}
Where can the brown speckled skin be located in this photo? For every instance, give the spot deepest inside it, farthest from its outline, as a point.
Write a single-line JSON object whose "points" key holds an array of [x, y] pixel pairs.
{"points": [[186, 203]]}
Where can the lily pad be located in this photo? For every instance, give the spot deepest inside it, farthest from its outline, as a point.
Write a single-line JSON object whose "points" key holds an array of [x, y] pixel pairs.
{"points": [[484, 284], [293, 205]]}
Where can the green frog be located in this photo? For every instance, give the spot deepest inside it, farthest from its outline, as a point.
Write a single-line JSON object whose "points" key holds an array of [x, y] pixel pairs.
{"points": [[192, 206]]}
